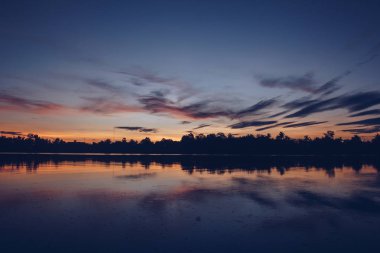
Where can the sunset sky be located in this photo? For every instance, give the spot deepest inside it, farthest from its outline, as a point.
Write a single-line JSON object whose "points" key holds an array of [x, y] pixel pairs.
{"points": [[91, 70]]}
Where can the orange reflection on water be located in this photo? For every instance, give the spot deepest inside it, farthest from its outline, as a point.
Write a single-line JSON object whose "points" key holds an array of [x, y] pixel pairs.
{"points": [[173, 181]]}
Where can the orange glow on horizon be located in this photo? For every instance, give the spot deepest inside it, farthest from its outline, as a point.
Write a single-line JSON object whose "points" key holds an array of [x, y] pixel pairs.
{"points": [[90, 137]]}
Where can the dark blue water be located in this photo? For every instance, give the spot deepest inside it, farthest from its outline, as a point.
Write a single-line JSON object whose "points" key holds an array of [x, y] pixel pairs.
{"points": [[132, 204]]}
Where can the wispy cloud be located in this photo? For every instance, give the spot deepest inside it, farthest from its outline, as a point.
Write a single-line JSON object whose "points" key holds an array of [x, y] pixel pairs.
{"points": [[145, 76], [368, 60], [275, 125], [257, 108], [205, 109], [140, 76], [254, 123], [314, 107], [350, 102], [11, 133], [201, 126], [103, 85], [371, 55], [365, 122], [138, 128], [12, 102], [304, 124], [366, 130], [365, 113], [278, 114], [332, 85], [106, 105], [197, 110], [359, 101], [305, 83], [299, 103]]}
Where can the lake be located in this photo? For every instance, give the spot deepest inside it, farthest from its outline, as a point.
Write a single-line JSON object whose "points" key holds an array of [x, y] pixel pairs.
{"points": [[175, 203]]}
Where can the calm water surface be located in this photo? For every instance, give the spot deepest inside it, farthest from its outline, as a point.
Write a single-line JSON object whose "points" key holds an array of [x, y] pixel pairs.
{"points": [[197, 204]]}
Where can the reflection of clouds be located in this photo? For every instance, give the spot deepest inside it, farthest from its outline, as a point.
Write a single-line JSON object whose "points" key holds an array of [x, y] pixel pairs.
{"points": [[361, 201], [130, 205], [207, 191], [158, 201], [302, 223], [103, 199], [267, 192], [154, 202], [259, 182], [137, 176], [260, 199], [257, 189], [10, 201], [260, 187]]}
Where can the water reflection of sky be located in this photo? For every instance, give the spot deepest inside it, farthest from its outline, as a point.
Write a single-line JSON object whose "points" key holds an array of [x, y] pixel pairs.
{"points": [[99, 207]]}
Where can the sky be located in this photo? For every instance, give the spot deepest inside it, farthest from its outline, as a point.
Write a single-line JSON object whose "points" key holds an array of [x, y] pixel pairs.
{"points": [[91, 70]]}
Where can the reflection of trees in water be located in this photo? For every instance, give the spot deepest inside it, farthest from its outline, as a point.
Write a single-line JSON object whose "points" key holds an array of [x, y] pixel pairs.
{"points": [[198, 163]]}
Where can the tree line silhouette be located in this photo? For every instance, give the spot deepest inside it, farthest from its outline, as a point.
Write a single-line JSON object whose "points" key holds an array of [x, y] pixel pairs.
{"points": [[201, 144]]}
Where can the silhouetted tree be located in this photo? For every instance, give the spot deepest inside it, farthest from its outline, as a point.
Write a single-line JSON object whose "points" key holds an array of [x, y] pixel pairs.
{"points": [[329, 135]]}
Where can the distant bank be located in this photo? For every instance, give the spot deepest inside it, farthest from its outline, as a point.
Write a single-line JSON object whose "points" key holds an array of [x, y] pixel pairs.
{"points": [[202, 144]]}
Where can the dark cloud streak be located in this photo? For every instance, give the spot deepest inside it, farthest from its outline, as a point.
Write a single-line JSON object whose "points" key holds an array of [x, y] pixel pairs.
{"points": [[278, 114], [332, 85], [254, 123], [350, 102], [365, 122], [201, 126], [304, 124], [100, 84], [368, 130], [11, 133], [303, 83], [365, 113], [198, 110], [256, 108], [137, 128], [276, 125]]}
